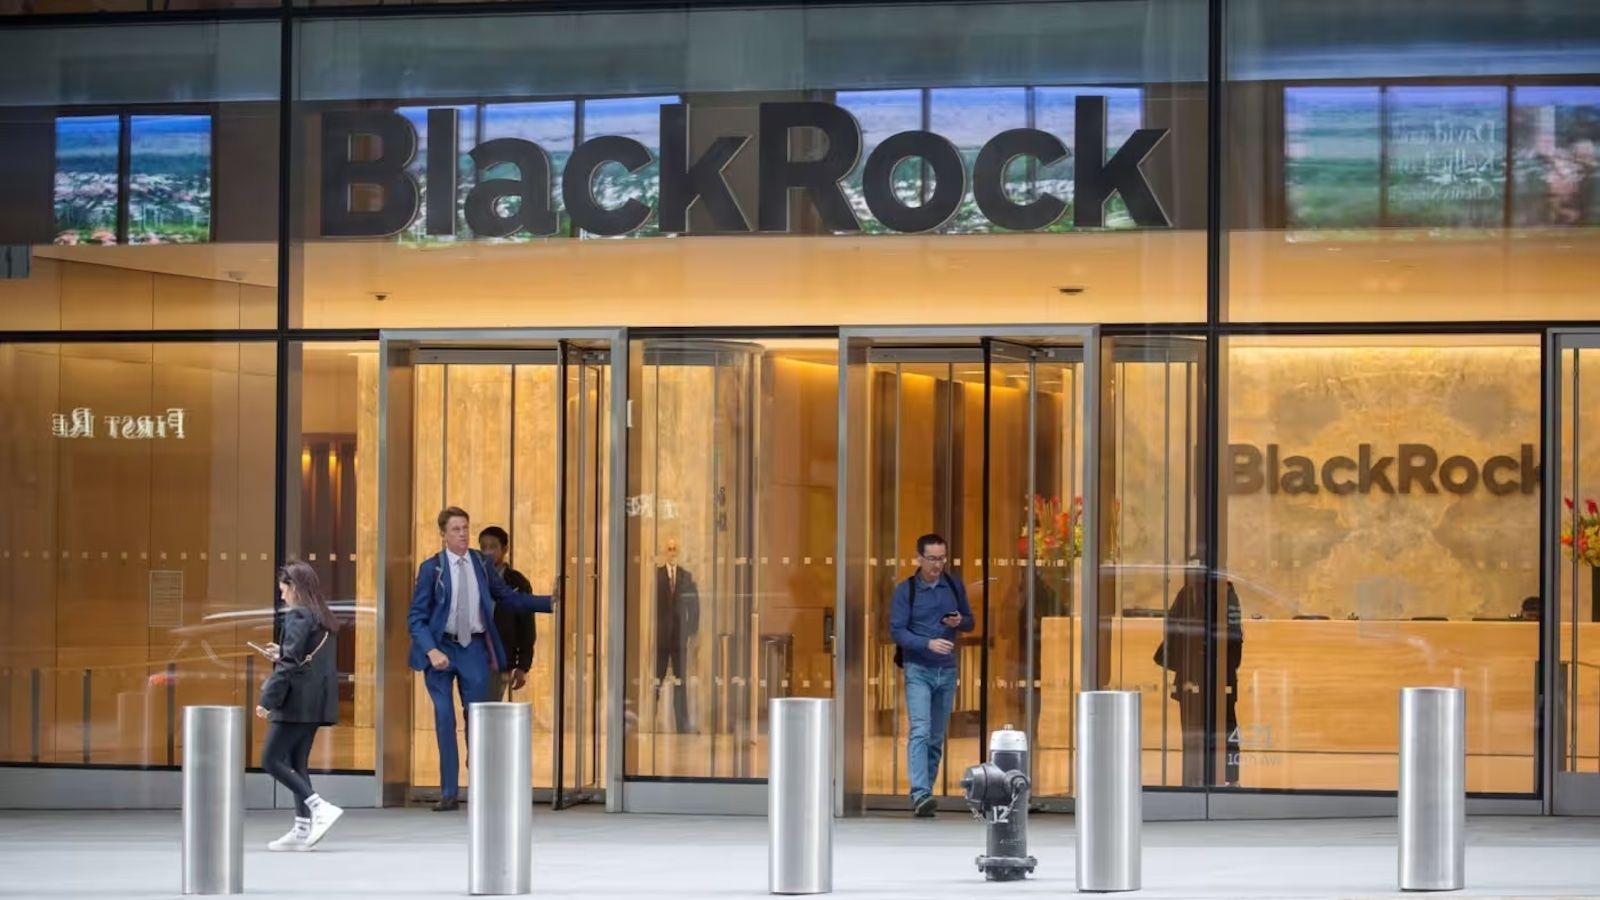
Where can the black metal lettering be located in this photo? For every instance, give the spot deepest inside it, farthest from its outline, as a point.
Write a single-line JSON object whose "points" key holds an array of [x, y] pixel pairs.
{"points": [[989, 179], [1095, 178], [819, 178], [387, 173], [577, 185], [531, 187], [949, 174], [683, 184], [440, 214]]}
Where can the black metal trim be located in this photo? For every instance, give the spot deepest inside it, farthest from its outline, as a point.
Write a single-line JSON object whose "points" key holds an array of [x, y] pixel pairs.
{"points": [[1216, 249]]}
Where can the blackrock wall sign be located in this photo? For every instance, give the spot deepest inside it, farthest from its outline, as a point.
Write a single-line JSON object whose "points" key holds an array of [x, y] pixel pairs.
{"points": [[686, 181]]}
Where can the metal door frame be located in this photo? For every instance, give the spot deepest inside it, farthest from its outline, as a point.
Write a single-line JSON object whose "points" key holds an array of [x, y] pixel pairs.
{"points": [[396, 563], [1564, 793], [849, 631]]}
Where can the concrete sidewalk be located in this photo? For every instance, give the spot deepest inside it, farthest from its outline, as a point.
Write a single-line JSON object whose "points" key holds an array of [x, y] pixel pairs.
{"points": [[586, 853]]}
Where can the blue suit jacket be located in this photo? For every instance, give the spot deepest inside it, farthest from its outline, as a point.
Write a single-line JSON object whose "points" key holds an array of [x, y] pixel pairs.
{"points": [[430, 607]]}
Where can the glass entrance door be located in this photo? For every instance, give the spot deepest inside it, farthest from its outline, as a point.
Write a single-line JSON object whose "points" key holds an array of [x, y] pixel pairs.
{"points": [[518, 431], [980, 440], [578, 744], [1571, 687]]}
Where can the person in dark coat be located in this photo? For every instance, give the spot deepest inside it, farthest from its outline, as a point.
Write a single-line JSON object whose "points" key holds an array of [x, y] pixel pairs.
{"points": [[677, 621], [1183, 652], [300, 696]]}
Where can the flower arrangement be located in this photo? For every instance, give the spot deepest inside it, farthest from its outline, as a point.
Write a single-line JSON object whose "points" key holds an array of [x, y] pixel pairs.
{"points": [[1580, 532], [1057, 530]]}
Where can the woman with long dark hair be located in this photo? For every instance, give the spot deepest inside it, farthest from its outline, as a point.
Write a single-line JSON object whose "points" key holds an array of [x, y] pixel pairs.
{"points": [[300, 696]]}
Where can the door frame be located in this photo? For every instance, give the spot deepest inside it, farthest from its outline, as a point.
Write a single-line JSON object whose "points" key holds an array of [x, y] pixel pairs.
{"points": [[396, 564], [1564, 793], [850, 533]]}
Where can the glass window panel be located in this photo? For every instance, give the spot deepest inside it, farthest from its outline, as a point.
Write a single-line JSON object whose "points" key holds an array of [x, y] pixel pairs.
{"points": [[733, 514], [139, 526], [617, 69], [1332, 154], [1446, 162], [142, 190], [1555, 131], [1384, 159], [1382, 531], [330, 523]]}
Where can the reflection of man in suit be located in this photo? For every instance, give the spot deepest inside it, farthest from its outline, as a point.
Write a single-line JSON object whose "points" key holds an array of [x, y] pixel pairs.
{"points": [[1183, 651], [677, 619]]}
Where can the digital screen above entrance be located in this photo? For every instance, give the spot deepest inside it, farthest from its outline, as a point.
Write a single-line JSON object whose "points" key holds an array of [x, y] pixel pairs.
{"points": [[369, 189]]}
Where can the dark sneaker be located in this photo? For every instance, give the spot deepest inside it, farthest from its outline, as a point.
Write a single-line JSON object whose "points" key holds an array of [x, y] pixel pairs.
{"points": [[925, 808]]}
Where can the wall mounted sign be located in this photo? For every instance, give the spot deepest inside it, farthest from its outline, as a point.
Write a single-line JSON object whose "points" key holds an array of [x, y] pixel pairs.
{"points": [[81, 423], [397, 195], [1412, 467]]}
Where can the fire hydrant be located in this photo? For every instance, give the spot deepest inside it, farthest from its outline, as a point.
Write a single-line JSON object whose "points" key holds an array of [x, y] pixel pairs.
{"points": [[997, 792]]}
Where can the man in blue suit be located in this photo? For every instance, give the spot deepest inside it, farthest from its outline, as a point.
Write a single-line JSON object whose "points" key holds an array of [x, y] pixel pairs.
{"points": [[453, 638]]}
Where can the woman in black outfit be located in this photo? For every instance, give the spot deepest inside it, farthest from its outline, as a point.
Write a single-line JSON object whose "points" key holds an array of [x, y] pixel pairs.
{"points": [[300, 696]]}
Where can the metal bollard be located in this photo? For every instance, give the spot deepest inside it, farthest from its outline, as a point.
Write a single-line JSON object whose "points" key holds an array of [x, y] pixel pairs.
{"points": [[500, 798], [1433, 795], [799, 796], [213, 799], [1109, 812]]}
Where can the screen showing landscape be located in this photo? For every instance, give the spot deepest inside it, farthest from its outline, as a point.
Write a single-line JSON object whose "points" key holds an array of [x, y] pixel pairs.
{"points": [[167, 195], [1454, 157]]}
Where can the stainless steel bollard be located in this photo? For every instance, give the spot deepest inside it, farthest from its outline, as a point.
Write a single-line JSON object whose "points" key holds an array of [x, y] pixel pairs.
{"points": [[800, 796], [1109, 812], [1433, 789], [213, 799], [500, 798]]}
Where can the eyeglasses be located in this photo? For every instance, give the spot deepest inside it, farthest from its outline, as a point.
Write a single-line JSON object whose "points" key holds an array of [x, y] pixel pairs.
{"points": [[933, 559]]}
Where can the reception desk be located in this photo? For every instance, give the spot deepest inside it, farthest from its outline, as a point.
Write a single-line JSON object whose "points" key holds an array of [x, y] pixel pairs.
{"points": [[1318, 704]]}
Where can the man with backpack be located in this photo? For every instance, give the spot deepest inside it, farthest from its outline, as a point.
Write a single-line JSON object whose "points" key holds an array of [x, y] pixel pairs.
{"points": [[929, 610]]}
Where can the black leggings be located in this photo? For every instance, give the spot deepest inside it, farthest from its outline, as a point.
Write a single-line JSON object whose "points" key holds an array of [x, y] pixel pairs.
{"points": [[285, 757]]}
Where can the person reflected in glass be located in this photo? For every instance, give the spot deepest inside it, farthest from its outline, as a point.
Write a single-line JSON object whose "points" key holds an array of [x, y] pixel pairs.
{"points": [[928, 614], [1183, 652], [300, 696], [516, 628], [453, 642], [677, 621]]}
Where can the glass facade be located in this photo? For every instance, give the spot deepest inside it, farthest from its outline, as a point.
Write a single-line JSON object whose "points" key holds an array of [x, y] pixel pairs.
{"points": [[1237, 350]]}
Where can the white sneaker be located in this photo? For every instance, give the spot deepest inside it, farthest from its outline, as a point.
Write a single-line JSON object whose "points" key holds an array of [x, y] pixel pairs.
{"points": [[322, 818], [295, 839]]}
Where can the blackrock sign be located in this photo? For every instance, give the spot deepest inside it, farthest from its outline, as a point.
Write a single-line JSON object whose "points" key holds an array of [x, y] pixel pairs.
{"points": [[1410, 468], [686, 182]]}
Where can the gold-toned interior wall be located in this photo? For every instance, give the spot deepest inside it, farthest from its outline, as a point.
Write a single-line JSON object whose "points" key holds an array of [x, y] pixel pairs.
{"points": [[134, 569], [1369, 563]]}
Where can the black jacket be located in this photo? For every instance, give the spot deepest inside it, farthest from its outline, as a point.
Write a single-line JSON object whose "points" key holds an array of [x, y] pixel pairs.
{"points": [[677, 611], [303, 693], [516, 629]]}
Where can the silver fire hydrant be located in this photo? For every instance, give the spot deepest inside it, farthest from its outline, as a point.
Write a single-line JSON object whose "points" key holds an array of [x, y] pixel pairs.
{"points": [[997, 792]]}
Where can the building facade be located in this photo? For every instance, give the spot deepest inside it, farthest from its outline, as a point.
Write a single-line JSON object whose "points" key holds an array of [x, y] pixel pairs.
{"points": [[1246, 352]]}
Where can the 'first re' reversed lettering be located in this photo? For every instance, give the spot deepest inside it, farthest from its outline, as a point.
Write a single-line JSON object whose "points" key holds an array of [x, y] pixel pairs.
{"points": [[81, 423]]}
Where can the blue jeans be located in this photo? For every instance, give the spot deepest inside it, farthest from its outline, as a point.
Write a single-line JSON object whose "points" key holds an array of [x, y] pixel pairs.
{"points": [[930, 693]]}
